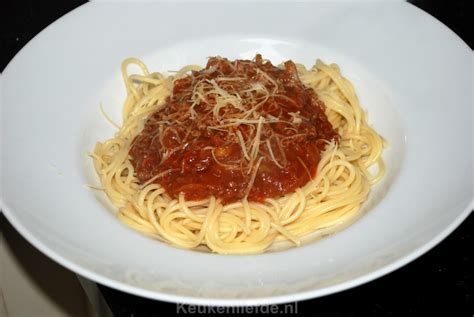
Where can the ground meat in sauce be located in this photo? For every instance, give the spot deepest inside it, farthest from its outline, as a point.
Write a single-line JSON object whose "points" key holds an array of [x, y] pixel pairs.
{"points": [[193, 147]]}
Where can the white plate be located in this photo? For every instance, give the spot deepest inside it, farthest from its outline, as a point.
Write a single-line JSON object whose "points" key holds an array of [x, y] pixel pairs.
{"points": [[412, 74]]}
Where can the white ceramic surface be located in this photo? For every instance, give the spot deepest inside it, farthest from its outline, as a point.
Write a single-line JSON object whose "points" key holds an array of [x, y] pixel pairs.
{"points": [[412, 74]]}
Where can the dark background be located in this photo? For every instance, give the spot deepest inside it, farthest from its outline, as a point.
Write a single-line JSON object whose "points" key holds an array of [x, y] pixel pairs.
{"points": [[438, 283]]}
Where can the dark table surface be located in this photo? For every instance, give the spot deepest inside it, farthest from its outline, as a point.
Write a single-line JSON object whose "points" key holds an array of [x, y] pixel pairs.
{"points": [[439, 282]]}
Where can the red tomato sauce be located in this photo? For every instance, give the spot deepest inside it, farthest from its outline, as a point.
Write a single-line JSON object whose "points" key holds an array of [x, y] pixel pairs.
{"points": [[192, 146]]}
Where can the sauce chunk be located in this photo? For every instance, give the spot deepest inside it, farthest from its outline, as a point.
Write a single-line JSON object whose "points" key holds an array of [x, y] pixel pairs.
{"points": [[234, 129]]}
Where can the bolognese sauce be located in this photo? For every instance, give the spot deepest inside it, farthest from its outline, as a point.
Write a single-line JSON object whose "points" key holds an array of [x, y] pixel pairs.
{"points": [[235, 129]]}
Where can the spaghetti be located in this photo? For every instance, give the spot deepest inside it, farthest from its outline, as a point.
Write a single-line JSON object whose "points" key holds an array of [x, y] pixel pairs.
{"points": [[239, 154]]}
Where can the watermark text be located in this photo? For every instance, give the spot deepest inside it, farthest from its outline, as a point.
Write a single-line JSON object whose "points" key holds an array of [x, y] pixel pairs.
{"points": [[282, 309]]}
